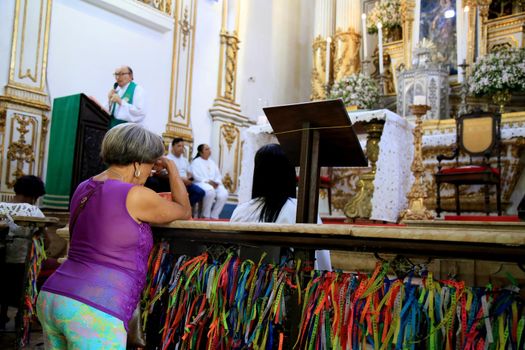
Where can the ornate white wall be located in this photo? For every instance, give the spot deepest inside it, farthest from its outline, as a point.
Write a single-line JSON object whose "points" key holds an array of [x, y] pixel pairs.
{"points": [[88, 39], [7, 10], [275, 53]]}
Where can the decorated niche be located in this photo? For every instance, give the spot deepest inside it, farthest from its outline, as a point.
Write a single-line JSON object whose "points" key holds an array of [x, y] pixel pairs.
{"points": [[501, 25], [428, 77]]}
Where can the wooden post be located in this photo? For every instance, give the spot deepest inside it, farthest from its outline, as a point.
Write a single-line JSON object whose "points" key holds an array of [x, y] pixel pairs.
{"points": [[308, 196]]}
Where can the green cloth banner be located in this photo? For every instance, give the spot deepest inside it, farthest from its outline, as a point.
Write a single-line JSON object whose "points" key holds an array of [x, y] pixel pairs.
{"points": [[128, 97], [64, 122]]}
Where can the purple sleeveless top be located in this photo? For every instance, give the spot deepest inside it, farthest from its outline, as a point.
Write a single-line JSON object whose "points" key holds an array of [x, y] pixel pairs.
{"points": [[108, 255]]}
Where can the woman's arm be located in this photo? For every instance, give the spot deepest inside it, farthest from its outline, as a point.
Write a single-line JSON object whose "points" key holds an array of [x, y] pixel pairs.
{"points": [[145, 205]]}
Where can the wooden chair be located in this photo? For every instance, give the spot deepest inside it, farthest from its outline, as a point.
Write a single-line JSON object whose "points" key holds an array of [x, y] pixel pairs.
{"points": [[478, 137], [325, 181]]}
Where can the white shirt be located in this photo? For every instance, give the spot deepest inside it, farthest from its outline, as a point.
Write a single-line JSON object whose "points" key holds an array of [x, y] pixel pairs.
{"points": [[182, 164], [134, 113], [251, 210], [204, 170], [16, 251]]}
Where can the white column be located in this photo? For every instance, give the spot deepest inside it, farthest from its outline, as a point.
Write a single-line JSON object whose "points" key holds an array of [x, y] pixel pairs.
{"points": [[324, 18], [348, 15]]}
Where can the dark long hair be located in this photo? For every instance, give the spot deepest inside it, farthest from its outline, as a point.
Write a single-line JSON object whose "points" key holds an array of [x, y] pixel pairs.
{"points": [[199, 150], [274, 181]]}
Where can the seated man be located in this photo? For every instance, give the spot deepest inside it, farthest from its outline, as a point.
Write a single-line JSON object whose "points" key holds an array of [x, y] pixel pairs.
{"points": [[177, 150], [27, 191]]}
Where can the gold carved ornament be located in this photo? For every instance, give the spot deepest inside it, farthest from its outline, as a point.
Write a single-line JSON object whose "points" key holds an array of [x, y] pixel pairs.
{"points": [[3, 115], [227, 181], [229, 133], [20, 151], [161, 5], [232, 47], [347, 46], [43, 135], [318, 69], [185, 27]]}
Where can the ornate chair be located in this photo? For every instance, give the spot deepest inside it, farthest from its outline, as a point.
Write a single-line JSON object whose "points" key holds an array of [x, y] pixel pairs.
{"points": [[478, 138]]}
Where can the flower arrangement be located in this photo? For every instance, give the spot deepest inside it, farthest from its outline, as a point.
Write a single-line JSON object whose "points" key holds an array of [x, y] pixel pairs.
{"points": [[499, 71], [356, 89], [388, 12]]}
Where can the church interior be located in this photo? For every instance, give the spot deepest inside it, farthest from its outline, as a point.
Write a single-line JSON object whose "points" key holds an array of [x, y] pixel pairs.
{"points": [[404, 121]]}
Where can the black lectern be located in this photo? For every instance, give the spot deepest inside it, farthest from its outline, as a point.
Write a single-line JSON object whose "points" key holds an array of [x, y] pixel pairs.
{"points": [[315, 134]]}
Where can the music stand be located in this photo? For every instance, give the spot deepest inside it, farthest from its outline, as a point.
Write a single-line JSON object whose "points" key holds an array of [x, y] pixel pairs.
{"points": [[315, 134]]}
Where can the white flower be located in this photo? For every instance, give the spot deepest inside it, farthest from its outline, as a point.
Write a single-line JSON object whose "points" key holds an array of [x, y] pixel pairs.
{"points": [[500, 70], [388, 12], [356, 89]]}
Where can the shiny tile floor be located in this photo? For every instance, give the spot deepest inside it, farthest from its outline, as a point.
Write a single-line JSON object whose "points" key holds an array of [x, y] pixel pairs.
{"points": [[8, 335]]}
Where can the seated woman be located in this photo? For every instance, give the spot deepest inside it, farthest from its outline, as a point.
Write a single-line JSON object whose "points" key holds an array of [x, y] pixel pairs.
{"points": [[88, 302], [27, 191], [206, 175], [274, 195]]}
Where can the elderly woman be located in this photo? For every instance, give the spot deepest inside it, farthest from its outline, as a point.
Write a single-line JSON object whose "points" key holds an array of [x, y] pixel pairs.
{"points": [[273, 198], [88, 301], [206, 175]]}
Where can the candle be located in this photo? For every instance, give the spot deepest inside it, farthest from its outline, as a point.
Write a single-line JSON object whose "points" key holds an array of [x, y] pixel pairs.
{"points": [[327, 69], [465, 26], [365, 48], [420, 100], [380, 43]]}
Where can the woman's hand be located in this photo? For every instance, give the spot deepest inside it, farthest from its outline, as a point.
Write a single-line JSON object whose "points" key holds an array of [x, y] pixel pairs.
{"points": [[164, 164]]}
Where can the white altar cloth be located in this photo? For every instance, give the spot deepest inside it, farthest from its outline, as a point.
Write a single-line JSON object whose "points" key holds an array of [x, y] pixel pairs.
{"points": [[393, 177]]}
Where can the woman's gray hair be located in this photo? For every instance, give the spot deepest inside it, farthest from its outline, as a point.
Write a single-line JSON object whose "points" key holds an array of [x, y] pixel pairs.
{"points": [[128, 143]]}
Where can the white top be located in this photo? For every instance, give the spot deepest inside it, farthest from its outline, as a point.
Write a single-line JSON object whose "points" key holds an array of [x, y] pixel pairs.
{"points": [[16, 250], [182, 164], [204, 170], [250, 211], [134, 113]]}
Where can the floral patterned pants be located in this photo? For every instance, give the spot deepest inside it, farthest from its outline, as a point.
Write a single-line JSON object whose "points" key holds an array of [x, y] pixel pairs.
{"points": [[70, 324]]}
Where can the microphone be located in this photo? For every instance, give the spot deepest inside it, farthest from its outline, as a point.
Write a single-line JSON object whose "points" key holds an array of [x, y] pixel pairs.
{"points": [[112, 103]]}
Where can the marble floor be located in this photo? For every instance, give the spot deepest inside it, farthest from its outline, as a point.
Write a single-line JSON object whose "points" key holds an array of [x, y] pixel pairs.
{"points": [[8, 335]]}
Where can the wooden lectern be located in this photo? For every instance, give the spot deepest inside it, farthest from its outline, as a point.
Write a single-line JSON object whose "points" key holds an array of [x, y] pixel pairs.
{"points": [[78, 126], [315, 134]]}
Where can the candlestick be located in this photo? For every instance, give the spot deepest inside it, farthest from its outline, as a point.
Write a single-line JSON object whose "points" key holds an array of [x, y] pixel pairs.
{"points": [[380, 44], [327, 68], [416, 207], [365, 46]]}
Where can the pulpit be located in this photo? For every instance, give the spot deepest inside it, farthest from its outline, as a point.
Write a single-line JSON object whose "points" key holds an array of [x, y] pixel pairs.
{"points": [[78, 126]]}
